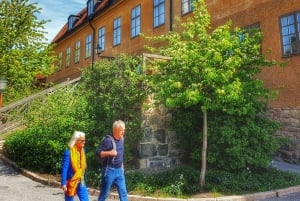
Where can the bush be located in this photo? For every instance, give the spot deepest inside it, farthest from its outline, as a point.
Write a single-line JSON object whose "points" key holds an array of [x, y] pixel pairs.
{"points": [[50, 124], [111, 90], [184, 181], [114, 90], [36, 150], [234, 142]]}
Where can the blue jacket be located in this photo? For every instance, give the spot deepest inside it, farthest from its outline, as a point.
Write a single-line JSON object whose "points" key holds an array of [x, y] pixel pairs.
{"points": [[66, 167]]}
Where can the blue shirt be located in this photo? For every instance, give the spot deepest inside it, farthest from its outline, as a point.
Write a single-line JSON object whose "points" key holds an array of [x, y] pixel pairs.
{"points": [[110, 161]]}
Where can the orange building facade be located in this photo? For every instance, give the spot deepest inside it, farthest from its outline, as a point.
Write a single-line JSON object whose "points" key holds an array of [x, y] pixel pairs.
{"points": [[113, 27]]}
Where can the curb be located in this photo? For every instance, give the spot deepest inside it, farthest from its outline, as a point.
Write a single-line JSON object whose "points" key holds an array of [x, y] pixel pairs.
{"points": [[94, 192]]}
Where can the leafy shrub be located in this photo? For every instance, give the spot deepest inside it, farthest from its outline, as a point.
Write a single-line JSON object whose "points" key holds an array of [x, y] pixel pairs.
{"points": [[35, 150], [170, 182], [114, 90], [184, 181], [49, 126], [234, 142]]}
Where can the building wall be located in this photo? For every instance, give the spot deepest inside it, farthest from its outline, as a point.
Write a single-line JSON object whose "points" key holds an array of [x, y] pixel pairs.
{"points": [[73, 71], [129, 45], [241, 13]]}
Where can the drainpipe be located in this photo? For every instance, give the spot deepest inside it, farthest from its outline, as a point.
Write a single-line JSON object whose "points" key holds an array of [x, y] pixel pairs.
{"points": [[171, 15]]}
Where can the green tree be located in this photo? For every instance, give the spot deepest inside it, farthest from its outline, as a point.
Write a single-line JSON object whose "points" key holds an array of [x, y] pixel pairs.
{"points": [[24, 52], [212, 68]]}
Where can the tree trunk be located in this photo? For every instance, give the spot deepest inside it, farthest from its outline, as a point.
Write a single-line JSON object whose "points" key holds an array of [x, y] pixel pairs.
{"points": [[204, 148]]}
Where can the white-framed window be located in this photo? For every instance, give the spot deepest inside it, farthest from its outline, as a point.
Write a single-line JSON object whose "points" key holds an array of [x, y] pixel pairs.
{"points": [[158, 12], [77, 51], [68, 57], [71, 21], [290, 34], [117, 31], [101, 38], [136, 21], [59, 62], [186, 6], [88, 46]]}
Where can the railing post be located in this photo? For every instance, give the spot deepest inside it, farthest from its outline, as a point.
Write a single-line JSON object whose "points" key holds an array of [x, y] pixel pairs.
{"points": [[1, 99]]}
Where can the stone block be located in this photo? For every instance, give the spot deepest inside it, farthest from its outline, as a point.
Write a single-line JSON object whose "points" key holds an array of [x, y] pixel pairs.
{"points": [[160, 135], [147, 135], [148, 150], [162, 149]]}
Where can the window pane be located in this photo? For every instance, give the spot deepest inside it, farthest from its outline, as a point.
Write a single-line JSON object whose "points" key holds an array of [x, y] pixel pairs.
{"points": [[135, 21], [290, 33], [186, 6], [286, 40], [285, 31], [101, 38], [158, 12], [298, 17], [117, 31], [88, 46], [290, 20], [286, 50], [291, 29]]}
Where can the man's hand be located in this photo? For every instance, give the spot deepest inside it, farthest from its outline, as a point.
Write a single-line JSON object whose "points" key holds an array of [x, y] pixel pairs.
{"points": [[108, 153], [113, 153]]}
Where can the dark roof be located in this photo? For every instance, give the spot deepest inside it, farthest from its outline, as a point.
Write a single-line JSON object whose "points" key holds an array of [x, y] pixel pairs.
{"points": [[82, 20]]}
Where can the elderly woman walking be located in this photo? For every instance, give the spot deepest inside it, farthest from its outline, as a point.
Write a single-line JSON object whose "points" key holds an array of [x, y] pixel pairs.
{"points": [[74, 168]]}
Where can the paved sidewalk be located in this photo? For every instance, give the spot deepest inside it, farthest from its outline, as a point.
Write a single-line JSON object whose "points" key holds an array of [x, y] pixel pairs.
{"points": [[16, 187], [280, 165], [289, 197]]}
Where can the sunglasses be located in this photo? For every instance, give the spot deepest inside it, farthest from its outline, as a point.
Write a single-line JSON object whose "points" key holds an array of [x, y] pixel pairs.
{"points": [[81, 141]]}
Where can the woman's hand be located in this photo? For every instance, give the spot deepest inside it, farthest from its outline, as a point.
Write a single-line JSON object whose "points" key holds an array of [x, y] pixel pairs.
{"points": [[64, 188]]}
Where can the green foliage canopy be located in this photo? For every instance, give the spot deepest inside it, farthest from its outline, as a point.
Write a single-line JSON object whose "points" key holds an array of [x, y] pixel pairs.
{"points": [[215, 68], [24, 52]]}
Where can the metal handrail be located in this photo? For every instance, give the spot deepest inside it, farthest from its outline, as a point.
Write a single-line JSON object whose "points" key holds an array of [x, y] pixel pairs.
{"points": [[11, 115]]}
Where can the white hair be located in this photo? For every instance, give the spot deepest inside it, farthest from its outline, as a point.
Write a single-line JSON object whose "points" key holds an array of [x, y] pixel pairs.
{"points": [[119, 124], [76, 135]]}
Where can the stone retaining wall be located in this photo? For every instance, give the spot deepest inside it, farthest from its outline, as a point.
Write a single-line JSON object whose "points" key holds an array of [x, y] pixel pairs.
{"points": [[159, 146], [289, 119]]}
